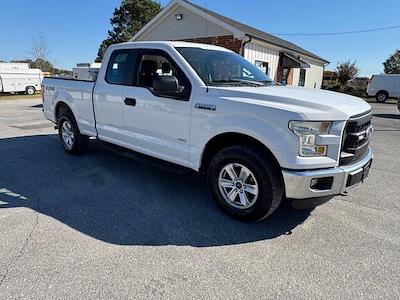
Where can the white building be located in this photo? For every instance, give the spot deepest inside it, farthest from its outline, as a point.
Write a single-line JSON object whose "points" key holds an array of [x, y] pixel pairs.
{"points": [[283, 61]]}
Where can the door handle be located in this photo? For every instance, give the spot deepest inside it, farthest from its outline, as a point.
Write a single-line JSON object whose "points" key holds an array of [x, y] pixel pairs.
{"points": [[130, 101]]}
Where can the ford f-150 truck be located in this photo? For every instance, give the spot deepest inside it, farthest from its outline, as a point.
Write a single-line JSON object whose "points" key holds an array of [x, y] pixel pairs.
{"points": [[208, 109]]}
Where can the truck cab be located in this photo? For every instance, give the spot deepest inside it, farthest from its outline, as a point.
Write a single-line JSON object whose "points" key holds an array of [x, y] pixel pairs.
{"points": [[208, 109]]}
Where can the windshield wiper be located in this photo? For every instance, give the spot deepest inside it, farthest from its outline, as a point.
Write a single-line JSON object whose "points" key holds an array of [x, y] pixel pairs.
{"points": [[239, 81], [244, 81]]}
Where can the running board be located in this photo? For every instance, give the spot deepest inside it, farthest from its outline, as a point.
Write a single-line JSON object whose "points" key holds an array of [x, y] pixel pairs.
{"points": [[148, 160]]}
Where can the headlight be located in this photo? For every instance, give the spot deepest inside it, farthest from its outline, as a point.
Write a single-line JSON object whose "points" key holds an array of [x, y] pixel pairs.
{"points": [[307, 133]]}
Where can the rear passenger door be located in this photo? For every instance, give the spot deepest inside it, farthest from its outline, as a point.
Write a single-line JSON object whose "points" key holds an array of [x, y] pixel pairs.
{"points": [[157, 109], [108, 95]]}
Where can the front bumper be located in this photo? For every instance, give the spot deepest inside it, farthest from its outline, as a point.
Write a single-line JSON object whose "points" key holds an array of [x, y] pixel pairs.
{"points": [[298, 183]]}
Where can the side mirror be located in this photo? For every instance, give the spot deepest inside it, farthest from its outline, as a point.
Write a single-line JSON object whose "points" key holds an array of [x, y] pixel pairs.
{"points": [[165, 83]]}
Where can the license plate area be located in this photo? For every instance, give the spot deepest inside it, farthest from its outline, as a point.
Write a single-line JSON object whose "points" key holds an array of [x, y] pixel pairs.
{"points": [[359, 175]]}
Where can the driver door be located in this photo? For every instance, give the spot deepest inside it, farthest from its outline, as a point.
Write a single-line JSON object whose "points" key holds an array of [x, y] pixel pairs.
{"points": [[157, 118]]}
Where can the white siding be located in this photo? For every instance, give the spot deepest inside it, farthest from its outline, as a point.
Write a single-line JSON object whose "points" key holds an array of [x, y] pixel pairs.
{"points": [[314, 76], [191, 26], [255, 52]]}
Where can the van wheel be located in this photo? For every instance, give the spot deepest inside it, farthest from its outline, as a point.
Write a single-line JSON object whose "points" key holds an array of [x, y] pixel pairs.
{"points": [[72, 140], [245, 183], [30, 90], [381, 96]]}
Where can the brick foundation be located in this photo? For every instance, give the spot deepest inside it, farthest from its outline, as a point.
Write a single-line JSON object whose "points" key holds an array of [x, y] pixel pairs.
{"points": [[226, 41]]}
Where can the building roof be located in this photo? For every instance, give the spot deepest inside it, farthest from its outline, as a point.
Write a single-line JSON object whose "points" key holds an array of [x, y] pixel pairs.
{"points": [[256, 33], [175, 44]]}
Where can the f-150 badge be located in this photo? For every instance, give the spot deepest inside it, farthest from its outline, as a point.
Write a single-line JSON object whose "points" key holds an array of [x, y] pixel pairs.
{"points": [[206, 106]]}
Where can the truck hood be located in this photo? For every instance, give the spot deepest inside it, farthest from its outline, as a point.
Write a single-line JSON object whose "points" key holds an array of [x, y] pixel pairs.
{"points": [[314, 104]]}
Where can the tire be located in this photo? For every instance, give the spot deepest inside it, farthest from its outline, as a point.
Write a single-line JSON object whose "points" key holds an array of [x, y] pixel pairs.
{"points": [[264, 188], [71, 139], [30, 90], [381, 96]]}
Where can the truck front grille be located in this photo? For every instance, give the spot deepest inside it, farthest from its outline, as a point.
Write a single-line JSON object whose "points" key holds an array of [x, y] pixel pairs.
{"points": [[356, 138]]}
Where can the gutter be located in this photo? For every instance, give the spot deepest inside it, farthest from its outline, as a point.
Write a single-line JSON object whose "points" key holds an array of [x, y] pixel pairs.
{"points": [[244, 44]]}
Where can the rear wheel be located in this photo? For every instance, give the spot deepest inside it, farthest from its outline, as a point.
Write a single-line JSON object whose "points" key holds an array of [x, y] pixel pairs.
{"points": [[30, 90], [245, 183], [381, 96], [72, 140]]}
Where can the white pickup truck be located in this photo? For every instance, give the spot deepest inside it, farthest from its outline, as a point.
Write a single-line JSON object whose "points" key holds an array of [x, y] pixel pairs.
{"points": [[208, 109]]}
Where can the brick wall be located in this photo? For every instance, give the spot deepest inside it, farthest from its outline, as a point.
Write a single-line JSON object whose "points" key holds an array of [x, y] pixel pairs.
{"points": [[226, 41]]}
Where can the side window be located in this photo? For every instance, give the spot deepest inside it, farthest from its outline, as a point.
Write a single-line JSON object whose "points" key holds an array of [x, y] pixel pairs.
{"points": [[117, 66], [161, 75]]}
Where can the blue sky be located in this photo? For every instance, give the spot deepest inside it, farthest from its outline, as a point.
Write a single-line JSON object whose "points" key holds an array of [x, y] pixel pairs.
{"points": [[75, 28]]}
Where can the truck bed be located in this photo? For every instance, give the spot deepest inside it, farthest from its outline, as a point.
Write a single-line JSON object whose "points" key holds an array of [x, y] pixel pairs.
{"points": [[77, 94]]}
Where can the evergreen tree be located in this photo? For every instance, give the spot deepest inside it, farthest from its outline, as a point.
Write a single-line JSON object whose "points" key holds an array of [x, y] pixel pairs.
{"points": [[392, 64], [127, 20]]}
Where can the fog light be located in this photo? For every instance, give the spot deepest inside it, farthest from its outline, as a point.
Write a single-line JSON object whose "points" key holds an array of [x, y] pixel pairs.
{"points": [[314, 182], [321, 184]]}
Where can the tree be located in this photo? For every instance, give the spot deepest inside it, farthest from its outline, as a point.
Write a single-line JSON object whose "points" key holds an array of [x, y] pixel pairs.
{"points": [[346, 71], [127, 20], [392, 64], [39, 49], [40, 55]]}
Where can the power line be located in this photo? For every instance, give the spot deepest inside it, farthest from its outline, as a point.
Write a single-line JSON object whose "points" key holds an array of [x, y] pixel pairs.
{"points": [[340, 33]]}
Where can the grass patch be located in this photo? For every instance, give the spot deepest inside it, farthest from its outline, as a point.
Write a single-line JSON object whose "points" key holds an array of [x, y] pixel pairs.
{"points": [[19, 96]]}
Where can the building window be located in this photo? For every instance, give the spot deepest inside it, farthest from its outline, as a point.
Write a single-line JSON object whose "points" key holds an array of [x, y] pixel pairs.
{"points": [[302, 77], [263, 66]]}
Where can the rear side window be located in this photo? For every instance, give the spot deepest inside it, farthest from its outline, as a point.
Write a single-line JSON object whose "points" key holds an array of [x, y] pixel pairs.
{"points": [[120, 67]]}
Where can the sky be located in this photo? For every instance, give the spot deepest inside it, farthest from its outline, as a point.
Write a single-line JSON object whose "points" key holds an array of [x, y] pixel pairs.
{"points": [[74, 29]]}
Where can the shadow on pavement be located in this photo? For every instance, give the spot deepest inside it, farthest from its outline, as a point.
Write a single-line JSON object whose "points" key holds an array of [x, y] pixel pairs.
{"points": [[123, 201], [388, 116]]}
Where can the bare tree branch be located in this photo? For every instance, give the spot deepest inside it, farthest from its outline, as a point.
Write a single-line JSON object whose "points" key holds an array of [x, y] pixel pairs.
{"points": [[39, 49]]}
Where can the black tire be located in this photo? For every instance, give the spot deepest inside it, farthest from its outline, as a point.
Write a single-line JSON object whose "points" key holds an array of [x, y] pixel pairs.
{"points": [[267, 175], [381, 96], [80, 141], [30, 90]]}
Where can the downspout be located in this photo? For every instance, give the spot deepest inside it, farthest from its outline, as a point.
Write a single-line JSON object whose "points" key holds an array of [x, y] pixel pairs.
{"points": [[244, 44]]}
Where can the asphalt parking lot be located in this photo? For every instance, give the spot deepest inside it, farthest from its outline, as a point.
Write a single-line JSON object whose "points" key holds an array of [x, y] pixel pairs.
{"points": [[106, 225]]}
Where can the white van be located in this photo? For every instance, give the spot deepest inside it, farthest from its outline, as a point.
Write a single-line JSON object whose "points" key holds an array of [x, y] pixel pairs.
{"points": [[384, 86], [18, 77]]}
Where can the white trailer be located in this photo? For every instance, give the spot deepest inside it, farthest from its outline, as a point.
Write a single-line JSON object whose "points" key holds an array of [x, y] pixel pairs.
{"points": [[18, 77]]}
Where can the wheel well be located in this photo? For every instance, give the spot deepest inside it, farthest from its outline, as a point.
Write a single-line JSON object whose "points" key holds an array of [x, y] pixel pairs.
{"points": [[383, 92], [225, 140], [60, 108]]}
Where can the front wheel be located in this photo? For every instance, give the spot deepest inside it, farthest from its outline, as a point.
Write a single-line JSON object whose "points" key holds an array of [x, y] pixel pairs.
{"points": [[245, 182], [71, 139]]}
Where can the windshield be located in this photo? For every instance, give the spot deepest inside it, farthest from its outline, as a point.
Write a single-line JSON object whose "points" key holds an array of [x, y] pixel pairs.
{"points": [[223, 68]]}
